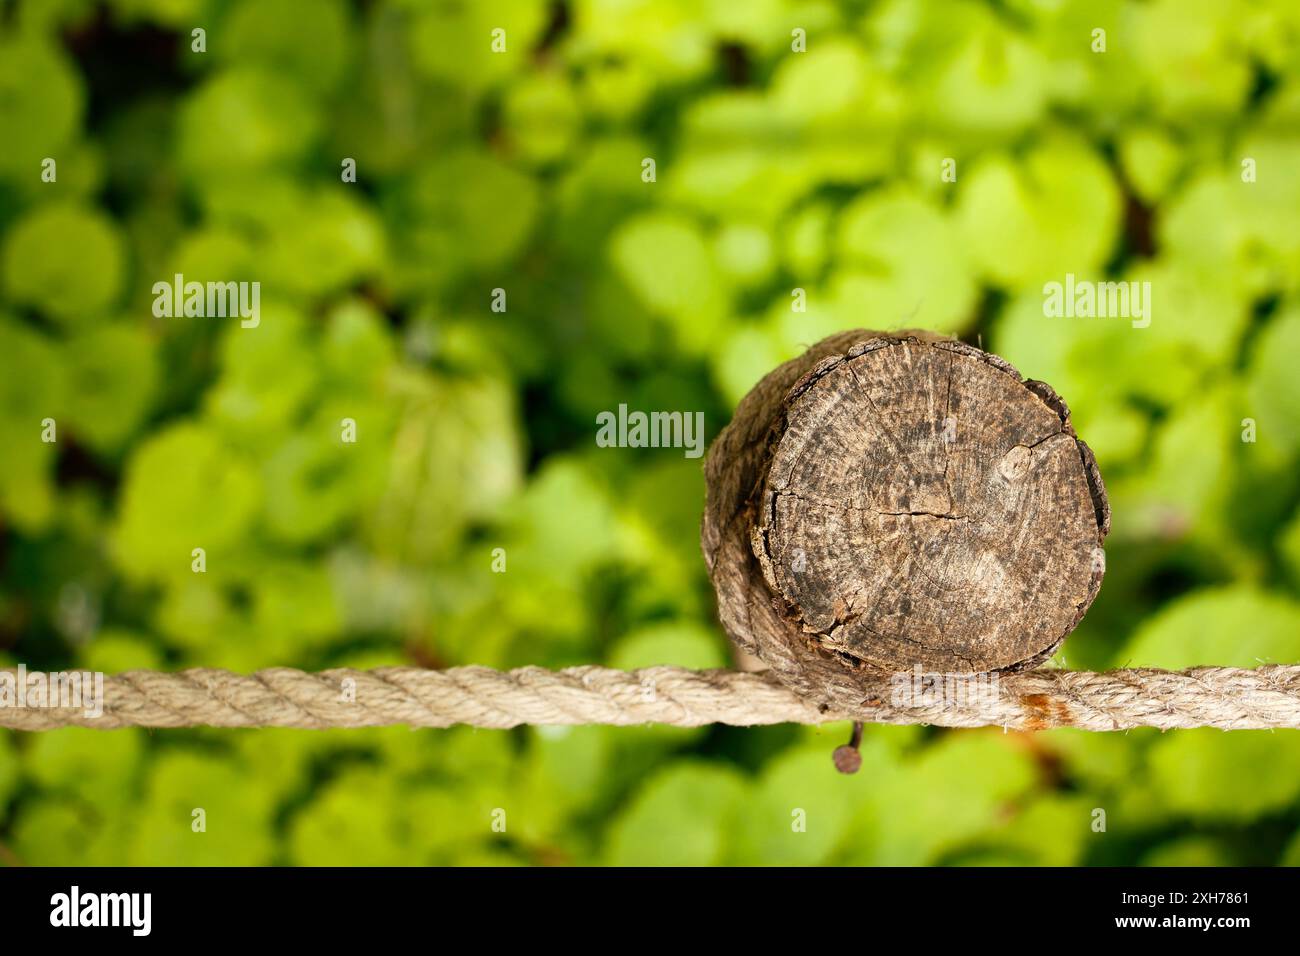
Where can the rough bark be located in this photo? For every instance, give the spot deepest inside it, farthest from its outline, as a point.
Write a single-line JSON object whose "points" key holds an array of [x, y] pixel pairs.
{"points": [[892, 500]]}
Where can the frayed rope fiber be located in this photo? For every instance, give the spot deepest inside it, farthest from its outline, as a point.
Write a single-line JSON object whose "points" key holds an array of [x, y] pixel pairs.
{"points": [[1224, 697]]}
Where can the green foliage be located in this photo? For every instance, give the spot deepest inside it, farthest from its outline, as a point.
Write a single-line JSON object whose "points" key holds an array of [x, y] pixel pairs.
{"points": [[9, 769], [1210, 775], [695, 803], [942, 799], [1032, 220], [36, 119], [1231, 627], [1191, 851], [795, 815], [181, 476], [240, 121], [235, 828], [274, 34], [33, 389], [460, 212], [522, 170], [904, 258], [66, 261], [82, 763], [683, 645], [340, 825], [113, 372]]}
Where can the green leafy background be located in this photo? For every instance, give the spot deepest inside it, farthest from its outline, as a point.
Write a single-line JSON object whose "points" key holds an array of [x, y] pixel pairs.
{"points": [[522, 170]]}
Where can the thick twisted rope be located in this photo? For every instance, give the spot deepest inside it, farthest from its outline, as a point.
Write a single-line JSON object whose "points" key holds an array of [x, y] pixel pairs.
{"points": [[1224, 697]]}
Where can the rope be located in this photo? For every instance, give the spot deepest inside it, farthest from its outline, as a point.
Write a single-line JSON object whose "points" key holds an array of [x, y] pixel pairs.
{"points": [[1224, 697]]}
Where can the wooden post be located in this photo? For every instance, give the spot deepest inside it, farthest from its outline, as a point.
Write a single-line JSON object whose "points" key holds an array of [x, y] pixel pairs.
{"points": [[892, 501]]}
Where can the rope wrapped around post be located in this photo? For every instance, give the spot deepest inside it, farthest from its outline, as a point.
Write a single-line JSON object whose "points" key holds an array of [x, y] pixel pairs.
{"points": [[899, 527]]}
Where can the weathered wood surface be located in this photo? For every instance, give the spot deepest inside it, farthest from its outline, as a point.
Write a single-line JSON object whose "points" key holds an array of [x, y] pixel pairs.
{"points": [[892, 500]]}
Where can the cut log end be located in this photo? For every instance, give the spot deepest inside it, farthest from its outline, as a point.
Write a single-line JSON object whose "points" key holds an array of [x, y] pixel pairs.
{"points": [[916, 503]]}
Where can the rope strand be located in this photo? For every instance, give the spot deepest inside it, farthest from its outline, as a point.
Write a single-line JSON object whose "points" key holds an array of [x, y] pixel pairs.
{"points": [[1224, 697]]}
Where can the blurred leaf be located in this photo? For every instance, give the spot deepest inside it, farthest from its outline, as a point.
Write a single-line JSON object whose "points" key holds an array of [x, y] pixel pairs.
{"points": [[798, 813], [332, 243], [113, 651], [678, 644], [1273, 392], [183, 490], [1190, 851], [1192, 60], [1053, 830], [948, 795], [1185, 492], [1014, 214], [430, 496], [1234, 777], [666, 34], [1237, 626], [67, 832], [340, 826], [667, 263], [83, 762], [241, 120], [237, 814], [464, 210], [454, 42], [684, 816], [997, 82], [9, 779], [905, 264], [113, 373], [1103, 761], [36, 118], [264, 382], [66, 261], [542, 118], [274, 34], [1151, 160], [32, 390], [1291, 855]]}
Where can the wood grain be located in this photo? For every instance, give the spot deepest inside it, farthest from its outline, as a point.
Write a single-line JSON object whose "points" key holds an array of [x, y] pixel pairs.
{"points": [[903, 499]]}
